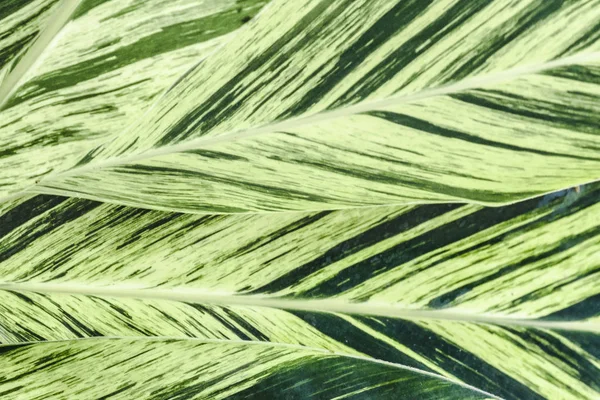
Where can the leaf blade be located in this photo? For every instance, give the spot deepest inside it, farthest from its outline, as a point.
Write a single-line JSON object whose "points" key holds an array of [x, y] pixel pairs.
{"points": [[451, 257], [443, 276], [275, 123], [104, 69], [457, 350], [219, 364]]}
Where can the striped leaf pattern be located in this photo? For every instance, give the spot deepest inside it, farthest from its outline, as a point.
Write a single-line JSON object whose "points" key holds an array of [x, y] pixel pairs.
{"points": [[101, 72], [236, 371], [327, 104], [508, 261], [511, 361], [337, 199], [20, 23], [418, 286]]}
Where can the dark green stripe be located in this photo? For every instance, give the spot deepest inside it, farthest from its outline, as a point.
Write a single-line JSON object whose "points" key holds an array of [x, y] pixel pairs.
{"points": [[217, 155], [26, 211], [8, 53], [446, 299], [384, 230], [271, 190], [330, 377], [280, 233], [240, 334], [570, 116], [401, 179], [116, 392], [256, 334], [506, 34], [220, 105], [9, 348], [14, 51], [453, 18], [167, 218], [471, 369], [425, 126], [589, 342], [344, 332], [77, 328], [169, 38], [8, 7], [416, 247], [586, 40], [50, 221], [86, 6], [392, 22], [65, 135], [580, 73], [580, 366], [585, 309]]}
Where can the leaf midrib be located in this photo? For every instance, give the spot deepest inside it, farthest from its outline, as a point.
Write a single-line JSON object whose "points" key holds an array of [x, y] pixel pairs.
{"points": [[378, 309]]}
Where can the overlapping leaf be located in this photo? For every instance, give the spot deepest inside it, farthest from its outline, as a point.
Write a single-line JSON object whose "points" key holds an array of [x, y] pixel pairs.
{"points": [[20, 23], [332, 104], [103, 70], [506, 261], [513, 362]]}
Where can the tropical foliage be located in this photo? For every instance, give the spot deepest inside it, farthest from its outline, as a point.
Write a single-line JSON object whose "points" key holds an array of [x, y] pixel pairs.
{"points": [[307, 199]]}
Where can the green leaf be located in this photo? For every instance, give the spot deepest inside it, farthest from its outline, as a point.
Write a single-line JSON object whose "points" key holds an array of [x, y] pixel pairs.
{"points": [[20, 23], [346, 117], [128, 368], [325, 104], [93, 76], [508, 261], [501, 299], [513, 362]]}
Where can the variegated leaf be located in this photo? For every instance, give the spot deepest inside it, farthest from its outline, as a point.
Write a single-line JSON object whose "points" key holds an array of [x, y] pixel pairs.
{"points": [[185, 369], [325, 104], [319, 107], [102, 70], [502, 299], [20, 24], [511, 361], [527, 260]]}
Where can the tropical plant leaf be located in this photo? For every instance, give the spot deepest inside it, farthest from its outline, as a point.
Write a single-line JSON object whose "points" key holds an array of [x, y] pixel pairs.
{"points": [[20, 23], [512, 362], [136, 368], [101, 71], [332, 104], [502, 299], [338, 113], [512, 261]]}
